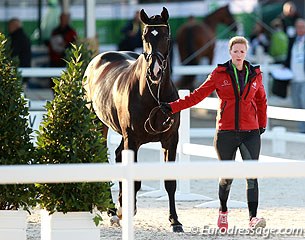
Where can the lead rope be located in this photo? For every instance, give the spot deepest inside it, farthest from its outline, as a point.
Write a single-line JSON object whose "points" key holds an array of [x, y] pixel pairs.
{"points": [[169, 121], [152, 94], [148, 123]]}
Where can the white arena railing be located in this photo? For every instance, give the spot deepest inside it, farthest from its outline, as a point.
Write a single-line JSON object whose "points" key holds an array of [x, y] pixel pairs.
{"points": [[129, 171], [178, 70]]}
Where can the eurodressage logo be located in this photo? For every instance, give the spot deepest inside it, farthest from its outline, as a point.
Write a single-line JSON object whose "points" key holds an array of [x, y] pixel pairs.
{"points": [[259, 232]]}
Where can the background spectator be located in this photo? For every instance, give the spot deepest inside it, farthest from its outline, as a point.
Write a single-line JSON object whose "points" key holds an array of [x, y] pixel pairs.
{"points": [[61, 38], [288, 18], [296, 62], [278, 42], [132, 34], [259, 38], [20, 44]]}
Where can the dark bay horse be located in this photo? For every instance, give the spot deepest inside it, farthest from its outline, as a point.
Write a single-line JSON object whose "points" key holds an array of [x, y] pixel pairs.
{"points": [[197, 39], [126, 90]]}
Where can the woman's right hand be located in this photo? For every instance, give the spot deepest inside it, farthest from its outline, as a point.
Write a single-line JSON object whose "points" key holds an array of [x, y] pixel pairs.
{"points": [[166, 108]]}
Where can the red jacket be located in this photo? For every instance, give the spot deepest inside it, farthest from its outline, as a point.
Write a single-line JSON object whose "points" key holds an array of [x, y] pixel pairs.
{"points": [[235, 112]]}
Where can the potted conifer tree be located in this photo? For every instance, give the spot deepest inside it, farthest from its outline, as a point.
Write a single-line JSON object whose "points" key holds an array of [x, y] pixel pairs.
{"points": [[15, 147], [69, 133]]}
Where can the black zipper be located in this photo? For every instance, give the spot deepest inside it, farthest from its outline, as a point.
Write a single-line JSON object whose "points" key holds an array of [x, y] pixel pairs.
{"points": [[223, 108], [249, 84], [237, 100], [255, 111]]}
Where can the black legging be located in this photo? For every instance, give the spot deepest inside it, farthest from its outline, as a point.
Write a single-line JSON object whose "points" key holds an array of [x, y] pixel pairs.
{"points": [[226, 144]]}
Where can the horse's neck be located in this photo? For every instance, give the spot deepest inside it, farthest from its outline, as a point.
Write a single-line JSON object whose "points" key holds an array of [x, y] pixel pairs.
{"points": [[211, 22]]}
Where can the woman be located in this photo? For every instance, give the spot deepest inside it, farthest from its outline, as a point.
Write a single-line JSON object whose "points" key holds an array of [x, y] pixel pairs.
{"points": [[241, 118]]}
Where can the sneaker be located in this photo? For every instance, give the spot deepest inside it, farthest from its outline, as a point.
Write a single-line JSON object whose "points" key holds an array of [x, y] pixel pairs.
{"points": [[223, 221], [257, 223]]}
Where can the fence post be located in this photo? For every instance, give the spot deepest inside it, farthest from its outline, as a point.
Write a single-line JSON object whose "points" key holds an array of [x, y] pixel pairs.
{"points": [[113, 140], [278, 141], [184, 137], [161, 191], [128, 196], [184, 193]]}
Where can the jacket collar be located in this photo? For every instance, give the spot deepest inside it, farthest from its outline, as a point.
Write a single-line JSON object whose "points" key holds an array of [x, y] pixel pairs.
{"points": [[253, 70]]}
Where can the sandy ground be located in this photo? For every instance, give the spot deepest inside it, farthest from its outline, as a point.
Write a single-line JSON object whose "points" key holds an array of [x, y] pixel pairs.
{"points": [[282, 204]]}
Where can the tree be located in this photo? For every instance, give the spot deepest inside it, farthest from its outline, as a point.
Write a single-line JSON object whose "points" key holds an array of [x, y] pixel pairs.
{"points": [[15, 141], [69, 134]]}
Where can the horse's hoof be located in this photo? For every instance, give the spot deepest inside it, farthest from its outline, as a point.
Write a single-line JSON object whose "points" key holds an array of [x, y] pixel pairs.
{"points": [[115, 221], [119, 213], [177, 228]]}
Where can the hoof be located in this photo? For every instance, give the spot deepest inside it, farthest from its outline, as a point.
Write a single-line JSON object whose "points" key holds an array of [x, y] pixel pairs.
{"points": [[119, 213], [115, 221], [177, 228]]}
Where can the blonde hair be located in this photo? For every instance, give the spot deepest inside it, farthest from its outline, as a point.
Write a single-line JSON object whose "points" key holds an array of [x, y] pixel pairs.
{"points": [[238, 39]]}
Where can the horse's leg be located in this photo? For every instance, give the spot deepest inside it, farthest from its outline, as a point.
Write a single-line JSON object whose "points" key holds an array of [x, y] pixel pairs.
{"points": [[111, 212], [137, 184], [170, 148]]}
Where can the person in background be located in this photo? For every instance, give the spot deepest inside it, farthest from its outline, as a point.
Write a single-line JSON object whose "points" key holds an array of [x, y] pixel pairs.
{"points": [[20, 44], [288, 17], [259, 38], [61, 38], [296, 62], [241, 119], [132, 34], [278, 42]]}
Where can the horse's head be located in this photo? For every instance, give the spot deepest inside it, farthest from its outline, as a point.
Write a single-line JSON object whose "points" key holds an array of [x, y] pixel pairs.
{"points": [[221, 15], [156, 43], [226, 17]]}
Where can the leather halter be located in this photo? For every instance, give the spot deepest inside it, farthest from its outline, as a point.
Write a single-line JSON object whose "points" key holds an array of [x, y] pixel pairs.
{"points": [[163, 59], [157, 54]]}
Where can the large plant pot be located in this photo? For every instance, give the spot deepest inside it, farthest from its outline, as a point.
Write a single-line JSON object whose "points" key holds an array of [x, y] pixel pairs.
{"points": [[13, 224], [72, 225]]}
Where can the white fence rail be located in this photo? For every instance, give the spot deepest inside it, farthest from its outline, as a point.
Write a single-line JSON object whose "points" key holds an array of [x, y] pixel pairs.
{"points": [[41, 72], [277, 135], [129, 171], [178, 70]]}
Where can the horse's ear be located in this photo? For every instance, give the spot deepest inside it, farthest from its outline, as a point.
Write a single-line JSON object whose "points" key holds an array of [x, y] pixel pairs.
{"points": [[164, 14], [143, 16]]}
